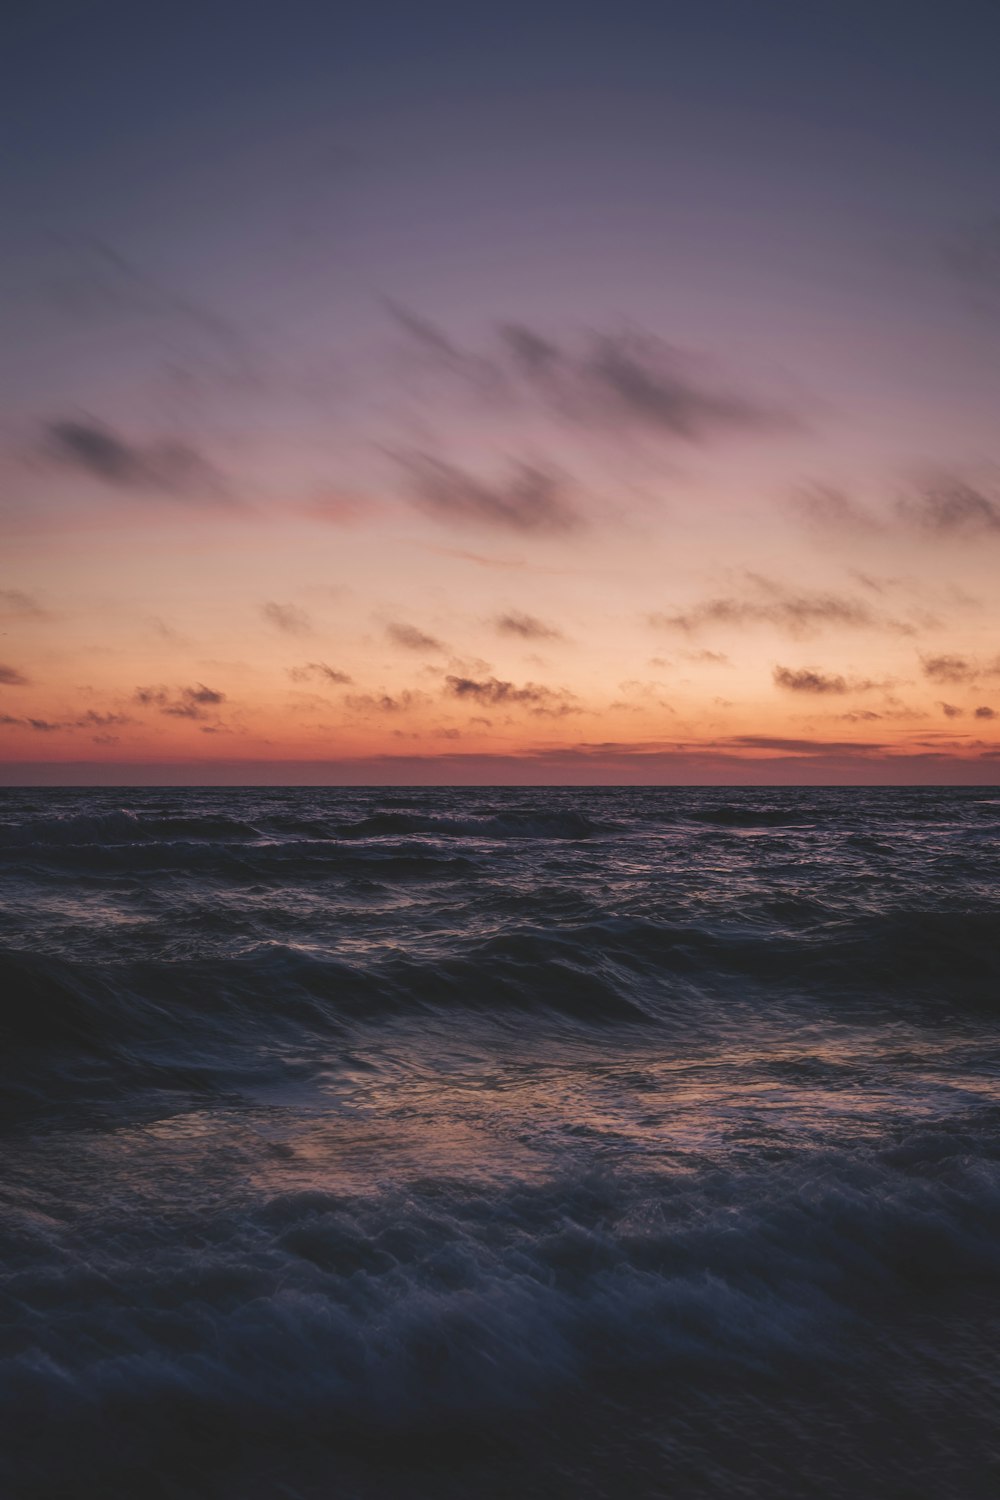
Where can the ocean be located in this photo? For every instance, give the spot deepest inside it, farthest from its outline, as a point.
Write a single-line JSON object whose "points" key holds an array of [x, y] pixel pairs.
{"points": [[500, 1142]]}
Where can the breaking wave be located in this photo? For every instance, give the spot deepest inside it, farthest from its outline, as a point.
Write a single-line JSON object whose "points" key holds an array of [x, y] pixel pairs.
{"points": [[561, 1144]]}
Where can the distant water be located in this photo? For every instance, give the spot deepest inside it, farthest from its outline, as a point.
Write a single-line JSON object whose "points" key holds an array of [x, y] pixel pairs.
{"points": [[500, 1143]]}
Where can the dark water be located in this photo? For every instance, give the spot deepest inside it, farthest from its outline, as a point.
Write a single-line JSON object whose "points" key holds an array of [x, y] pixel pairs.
{"points": [[500, 1143]]}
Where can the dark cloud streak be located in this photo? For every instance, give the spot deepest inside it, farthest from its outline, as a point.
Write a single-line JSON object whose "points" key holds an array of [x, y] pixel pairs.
{"points": [[493, 692], [608, 381], [530, 500], [288, 618], [527, 627], [797, 612], [318, 670], [166, 468], [410, 638]]}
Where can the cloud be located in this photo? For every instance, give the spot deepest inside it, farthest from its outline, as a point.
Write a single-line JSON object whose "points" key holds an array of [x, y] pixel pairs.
{"points": [[829, 509], [635, 377], [41, 726], [101, 282], [15, 604], [94, 720], [168, 468], [530, 500], [288, 618], [11, 677], [797, 612], [805, 681], [948, 668], [799, 747], [984, 712], [528, 627], [491, 691], [318, 670], [89, 720], [165, 631], [434, 346], [950, 710], [949, 506], [203, 694], [609, 381], [410, 638], [383, 703], [707, 658], [186, 703], [640, 695], [183, 711]]}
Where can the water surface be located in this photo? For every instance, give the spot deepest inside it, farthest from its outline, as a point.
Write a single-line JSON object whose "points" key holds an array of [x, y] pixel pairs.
{"points": [[541, 1142]]}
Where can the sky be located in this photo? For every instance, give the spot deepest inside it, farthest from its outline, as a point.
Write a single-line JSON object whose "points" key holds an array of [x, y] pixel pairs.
{"points": [[439, 393]]}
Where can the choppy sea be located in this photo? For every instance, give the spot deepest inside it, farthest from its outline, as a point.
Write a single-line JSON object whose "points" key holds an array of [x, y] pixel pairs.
{"points": [[500, 1143]]}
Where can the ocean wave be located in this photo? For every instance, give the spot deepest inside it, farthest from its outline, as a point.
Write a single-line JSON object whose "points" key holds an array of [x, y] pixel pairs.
{"points": [[124, 827], [451, 1141], [365, 1319], [241, 862], [99, 1026], [119, 827], [532, 823], [752, 817]]}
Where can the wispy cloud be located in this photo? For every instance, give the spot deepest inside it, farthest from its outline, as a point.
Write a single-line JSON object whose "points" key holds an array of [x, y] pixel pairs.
{"points": [[529, 499], [798, 612], [527, 627], [11, 677], [367, 704], [15, 604], [319, 671], [808, 680], [182, 703], [951, 505], [611, 381], [410, 638], [638, 379], [430, 344], [950, 668], [94, 720], [800, 746], [491, 691], [288, 618], [167, 468], [89, 720], [95, 281], [804, 680], [707, 658], [946, 505], [829, 509], [40, 726]]}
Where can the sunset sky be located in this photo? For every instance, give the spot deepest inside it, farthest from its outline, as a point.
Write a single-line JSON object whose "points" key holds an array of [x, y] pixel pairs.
{"points": [[465, 393]]}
